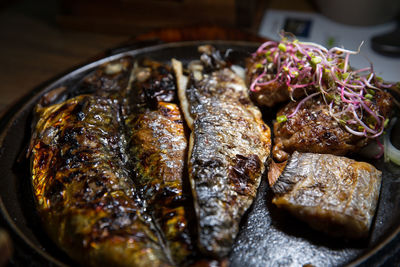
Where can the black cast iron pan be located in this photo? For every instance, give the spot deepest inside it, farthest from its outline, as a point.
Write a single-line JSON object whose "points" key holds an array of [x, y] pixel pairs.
{"points": [[268, 237]]}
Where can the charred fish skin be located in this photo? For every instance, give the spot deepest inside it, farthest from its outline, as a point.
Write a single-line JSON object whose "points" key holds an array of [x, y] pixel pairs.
{"points": [[109, 79], [82, 188], [158, 147], [151, 82], [333, 194], [228, 147]]}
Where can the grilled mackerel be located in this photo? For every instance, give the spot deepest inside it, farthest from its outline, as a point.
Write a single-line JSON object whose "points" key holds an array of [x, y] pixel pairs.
{"points": [[83, 188], [158, 147], [229, 145], [114, 168], [332, 194]]}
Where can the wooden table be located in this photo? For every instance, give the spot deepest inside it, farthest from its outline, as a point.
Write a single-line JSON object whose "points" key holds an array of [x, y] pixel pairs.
{"points": [[33, 52]]}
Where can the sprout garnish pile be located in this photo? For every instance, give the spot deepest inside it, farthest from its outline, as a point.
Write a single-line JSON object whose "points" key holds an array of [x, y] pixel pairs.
{"points": [[311, 67]]}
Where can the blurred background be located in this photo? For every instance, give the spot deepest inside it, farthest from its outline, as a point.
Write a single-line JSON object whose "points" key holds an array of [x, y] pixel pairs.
{"points": [[42, 39]]}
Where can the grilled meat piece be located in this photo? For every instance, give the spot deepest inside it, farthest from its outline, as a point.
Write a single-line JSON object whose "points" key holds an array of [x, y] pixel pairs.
{"points": [[83, 187], [273, 93], [332, 194], [158, 147], [228, 147], [312, 129]]}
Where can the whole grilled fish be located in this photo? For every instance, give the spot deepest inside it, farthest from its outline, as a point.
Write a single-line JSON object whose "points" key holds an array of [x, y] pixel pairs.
{"points": [[83, 188], [158, 147], [333, 194], [228, 147]]}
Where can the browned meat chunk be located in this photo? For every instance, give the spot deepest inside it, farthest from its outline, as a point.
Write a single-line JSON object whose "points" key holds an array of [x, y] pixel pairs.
{"points": [[313, 129], [332, 194], [271, 94]]}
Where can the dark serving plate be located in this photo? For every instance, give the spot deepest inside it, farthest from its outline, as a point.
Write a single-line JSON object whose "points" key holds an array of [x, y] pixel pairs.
{"points": [[268, 237]]}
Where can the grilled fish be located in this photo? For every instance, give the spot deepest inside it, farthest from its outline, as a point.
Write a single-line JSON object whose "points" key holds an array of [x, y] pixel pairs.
{"points": [[332, 194], [229, 144], [110, 79], [158, 147], [83, 188]]}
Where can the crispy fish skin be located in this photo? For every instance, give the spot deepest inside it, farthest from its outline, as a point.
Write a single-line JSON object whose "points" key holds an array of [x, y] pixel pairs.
{"points": [[158, 147], [109, 79], [83, 189], [332, 194], [228, 147]]}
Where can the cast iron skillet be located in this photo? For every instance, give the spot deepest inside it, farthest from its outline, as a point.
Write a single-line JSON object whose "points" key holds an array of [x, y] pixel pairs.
{"points": [[268, 237]]}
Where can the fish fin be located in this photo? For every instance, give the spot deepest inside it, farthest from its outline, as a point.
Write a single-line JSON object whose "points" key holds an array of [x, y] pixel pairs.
{"points": [[275, 170]]}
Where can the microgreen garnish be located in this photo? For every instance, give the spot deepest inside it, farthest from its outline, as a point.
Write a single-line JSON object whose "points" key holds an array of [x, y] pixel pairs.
{"points": [[281, 118], [325, 72]]}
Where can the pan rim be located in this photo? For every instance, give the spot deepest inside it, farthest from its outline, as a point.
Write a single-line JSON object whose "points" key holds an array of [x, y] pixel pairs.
{"points": [[12, 112]]}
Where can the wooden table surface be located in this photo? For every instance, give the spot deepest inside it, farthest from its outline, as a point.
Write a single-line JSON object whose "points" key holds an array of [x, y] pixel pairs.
{"points": [[33, 51]]}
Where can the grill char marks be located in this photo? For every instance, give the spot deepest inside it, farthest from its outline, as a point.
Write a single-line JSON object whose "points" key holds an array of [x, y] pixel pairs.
{"points": [[89, 205], [312, 129], [109, 79], [229, 145], [158, 148]]}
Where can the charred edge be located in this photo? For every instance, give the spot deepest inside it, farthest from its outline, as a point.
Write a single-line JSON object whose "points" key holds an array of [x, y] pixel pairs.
{"points": [[285, 183], [131, 162], [243, 172], [160, 87], [54, 96], [101, 82], [211, 58]]}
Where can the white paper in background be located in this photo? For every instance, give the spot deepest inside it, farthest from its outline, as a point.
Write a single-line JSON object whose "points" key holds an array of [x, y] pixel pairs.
{"points": [[326, 32]]}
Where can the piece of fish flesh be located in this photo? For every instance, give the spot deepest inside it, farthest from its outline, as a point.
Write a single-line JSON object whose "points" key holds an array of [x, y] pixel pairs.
{"points": [[83, 188], [158, 147], [333, 194], [228, 147]]}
